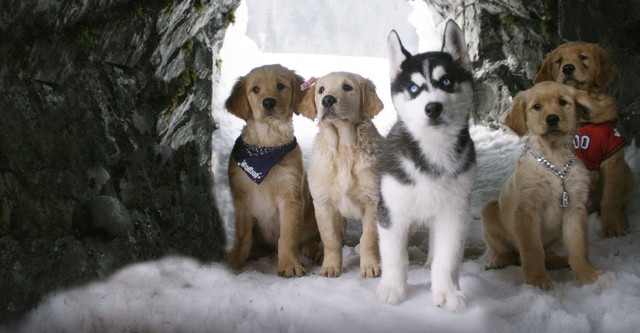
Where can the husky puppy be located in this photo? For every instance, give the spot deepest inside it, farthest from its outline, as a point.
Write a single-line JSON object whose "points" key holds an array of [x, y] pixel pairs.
{"points": [[427, 166]]}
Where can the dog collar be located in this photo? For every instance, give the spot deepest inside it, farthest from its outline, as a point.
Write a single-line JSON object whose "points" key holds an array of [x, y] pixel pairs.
{"points": [[257, 161], [562, 174]]}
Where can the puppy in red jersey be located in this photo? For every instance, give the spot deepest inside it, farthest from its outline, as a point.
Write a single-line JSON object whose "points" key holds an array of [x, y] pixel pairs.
{"points": [[588, 67]]}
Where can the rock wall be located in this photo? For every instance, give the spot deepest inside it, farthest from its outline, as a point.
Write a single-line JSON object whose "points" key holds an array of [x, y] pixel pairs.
{"points": [[508, 40], [105, 139]]}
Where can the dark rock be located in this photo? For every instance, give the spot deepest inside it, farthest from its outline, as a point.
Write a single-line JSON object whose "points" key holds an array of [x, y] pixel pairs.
{"points": [[105, 139]]}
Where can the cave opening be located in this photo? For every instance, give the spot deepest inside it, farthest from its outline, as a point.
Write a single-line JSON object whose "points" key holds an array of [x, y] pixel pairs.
{"points": [[313, 39]]}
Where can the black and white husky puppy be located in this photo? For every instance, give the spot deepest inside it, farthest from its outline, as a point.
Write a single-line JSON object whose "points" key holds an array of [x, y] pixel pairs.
{"points": [[427, 166]]}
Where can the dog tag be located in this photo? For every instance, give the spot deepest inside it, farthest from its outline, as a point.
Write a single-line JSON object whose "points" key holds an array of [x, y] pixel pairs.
{"points": [[565, 199]]}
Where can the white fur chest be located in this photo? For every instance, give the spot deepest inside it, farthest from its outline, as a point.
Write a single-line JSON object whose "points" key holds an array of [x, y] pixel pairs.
{"points": [[426, 196]]}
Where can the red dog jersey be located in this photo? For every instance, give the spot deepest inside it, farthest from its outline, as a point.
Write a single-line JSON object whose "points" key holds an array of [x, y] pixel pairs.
{"points": [[594, 143]]}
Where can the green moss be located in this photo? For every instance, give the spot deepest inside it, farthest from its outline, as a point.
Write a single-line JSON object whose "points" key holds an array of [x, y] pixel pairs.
{"points": [[508, 20], [219, 64], [87, 37], [167, 11], [548, 25], [187, 79], [199, 5], [187, 47], [229, 18], [142, 12]]}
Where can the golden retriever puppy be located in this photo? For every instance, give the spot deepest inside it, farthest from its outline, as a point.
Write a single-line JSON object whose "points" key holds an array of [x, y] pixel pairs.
{"points": [[598, 143], [342, 178], [543, 202], [266, 172]]}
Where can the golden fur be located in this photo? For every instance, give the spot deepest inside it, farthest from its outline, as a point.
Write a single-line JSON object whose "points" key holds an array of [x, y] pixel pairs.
{"points": [[280, 207], [527, 222], [342, 178], [588, 67]]}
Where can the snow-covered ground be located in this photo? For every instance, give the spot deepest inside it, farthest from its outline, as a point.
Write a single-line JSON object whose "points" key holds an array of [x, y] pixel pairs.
{"points": [[178, 294]]}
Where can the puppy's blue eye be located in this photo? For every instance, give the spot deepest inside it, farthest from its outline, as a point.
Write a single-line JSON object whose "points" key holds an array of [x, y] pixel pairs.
{"points": [[413, 88], [446, 81]]}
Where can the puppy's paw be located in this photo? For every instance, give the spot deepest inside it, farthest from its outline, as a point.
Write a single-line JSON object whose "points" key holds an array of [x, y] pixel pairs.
{"points": [[613, 224], [369, 266], [452, 300], [292, 270], [391, 293], [588, 274], [235, 259], [502, 260], [370, 271], [542, 282], [313, 251], [330, 271]]}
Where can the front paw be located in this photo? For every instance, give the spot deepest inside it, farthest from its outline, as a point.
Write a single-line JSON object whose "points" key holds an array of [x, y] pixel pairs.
{"points": [[613, 223], [588, 274], [503, 260], [370, 271], [330, 270], [452, 300], [542, 282], [235, 259], [369, 268], [292, 270], [391, 293]]}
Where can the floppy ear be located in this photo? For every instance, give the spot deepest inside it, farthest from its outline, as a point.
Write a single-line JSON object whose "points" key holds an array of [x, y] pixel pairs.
{"points": [[307, 106], [297, 94], [516, 119], [237, 103], [371, 103], [607, 68], [545, 73]]}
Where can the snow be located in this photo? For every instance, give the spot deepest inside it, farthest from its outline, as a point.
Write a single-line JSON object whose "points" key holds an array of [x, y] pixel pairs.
{"points": [[180, 294]]}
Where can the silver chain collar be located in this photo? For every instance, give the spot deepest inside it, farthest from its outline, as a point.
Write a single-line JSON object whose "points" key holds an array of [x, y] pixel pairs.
{"points": [[562, 174]]}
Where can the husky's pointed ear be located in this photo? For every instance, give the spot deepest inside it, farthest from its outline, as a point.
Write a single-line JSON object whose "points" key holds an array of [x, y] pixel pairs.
{"points": [[307, 106], [455, 44], [516, 119], [397, 54], [237, 103]]}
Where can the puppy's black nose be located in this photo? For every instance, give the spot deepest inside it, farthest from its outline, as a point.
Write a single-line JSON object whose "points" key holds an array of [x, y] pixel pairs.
{"points": [[328, 101], [568, 69], [552, 120], [433, 110], [269, 103]]}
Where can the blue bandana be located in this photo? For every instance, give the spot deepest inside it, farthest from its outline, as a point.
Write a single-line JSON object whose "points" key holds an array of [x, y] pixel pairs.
{"points": [[256, 161]]}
